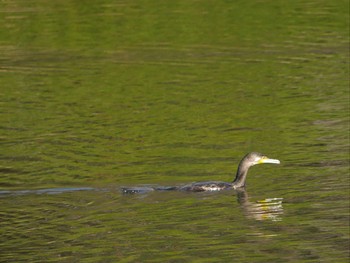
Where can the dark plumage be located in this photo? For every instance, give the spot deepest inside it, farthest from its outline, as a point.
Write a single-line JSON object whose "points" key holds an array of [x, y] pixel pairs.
{"points": [[248, 161]]}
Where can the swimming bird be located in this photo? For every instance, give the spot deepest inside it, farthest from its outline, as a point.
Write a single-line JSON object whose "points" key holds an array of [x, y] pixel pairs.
{"points": [[248, 161]]}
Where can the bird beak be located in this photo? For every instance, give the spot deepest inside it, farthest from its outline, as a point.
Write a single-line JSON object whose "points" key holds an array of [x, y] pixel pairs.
{"points": [[264, 159]]}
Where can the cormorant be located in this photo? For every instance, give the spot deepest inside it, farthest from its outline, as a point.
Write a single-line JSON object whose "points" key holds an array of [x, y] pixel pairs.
{"points": [[248, 161]]}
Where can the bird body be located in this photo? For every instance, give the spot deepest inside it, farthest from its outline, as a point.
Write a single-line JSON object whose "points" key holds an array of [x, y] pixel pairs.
{"points": [[248, 161], [207, 186]]}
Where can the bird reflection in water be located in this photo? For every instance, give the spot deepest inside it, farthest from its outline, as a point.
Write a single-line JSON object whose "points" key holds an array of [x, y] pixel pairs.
{"points": [[265, 209]]}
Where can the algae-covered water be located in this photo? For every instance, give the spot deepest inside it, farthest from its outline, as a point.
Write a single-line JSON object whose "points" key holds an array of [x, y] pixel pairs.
{"points": [[100, 95]]}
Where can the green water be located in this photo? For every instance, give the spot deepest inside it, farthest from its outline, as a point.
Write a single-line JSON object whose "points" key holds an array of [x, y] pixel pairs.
{"points": [[99, 95]]}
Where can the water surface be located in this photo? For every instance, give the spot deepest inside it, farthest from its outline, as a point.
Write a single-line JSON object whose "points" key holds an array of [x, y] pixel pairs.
{"points": [[96, 96]]}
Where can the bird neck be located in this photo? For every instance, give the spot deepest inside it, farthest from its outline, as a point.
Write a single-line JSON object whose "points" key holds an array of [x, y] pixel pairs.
{"points": [[241, 176]]}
